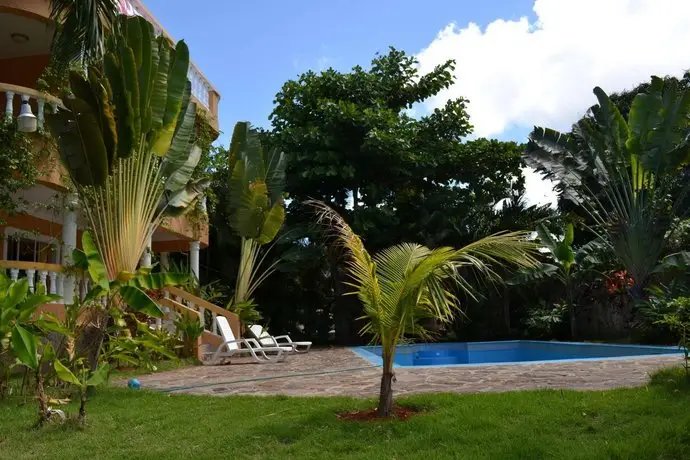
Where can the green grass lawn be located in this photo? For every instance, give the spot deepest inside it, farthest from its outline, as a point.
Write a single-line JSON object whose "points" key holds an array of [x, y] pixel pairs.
{"points": [[644, 423]]}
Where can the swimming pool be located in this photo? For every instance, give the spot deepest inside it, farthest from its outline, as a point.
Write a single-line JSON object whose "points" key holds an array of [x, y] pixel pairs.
{"points": [[508, 352]]}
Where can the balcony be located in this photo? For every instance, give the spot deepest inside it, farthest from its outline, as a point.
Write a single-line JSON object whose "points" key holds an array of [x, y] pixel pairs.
{"points": [[51, 171], [25, 49], [41, 212]]}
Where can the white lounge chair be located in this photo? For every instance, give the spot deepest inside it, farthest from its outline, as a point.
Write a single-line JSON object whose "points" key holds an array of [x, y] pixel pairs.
{"points": [[233, 346], [266, 339]]}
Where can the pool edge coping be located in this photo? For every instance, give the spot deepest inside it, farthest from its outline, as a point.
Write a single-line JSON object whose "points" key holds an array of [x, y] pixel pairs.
{"points": [[376, 360]]}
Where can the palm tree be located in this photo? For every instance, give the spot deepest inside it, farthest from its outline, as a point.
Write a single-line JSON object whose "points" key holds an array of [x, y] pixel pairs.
{"points": [[81, 28], [624, 174], [408, 283]]}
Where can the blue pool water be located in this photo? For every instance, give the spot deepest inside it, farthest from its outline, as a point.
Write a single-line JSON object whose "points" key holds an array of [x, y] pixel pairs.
{"points": [[513, 351]]}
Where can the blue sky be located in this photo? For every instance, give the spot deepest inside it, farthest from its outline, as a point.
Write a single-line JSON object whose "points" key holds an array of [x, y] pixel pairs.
{"points": [[249, 49], [521, 63]]}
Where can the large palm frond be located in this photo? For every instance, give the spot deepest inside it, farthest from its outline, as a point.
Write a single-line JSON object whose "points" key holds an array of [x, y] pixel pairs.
{"points": [[81, 27], [406, 283], [622, 173]]}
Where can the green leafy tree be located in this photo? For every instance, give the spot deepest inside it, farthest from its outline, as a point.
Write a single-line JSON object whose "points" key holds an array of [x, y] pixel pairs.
{"points": [[405, 284], [351, 142], [621, 173]]}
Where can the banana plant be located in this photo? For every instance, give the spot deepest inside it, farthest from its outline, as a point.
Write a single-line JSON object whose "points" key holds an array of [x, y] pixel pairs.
{"points": [[564, 261], [257, 208], [126, 139], [83, 379], [19, 333], [625, 174], [127, 288]]}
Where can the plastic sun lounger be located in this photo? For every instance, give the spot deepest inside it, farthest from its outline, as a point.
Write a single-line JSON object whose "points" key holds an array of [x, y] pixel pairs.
{"points": [[265, 339], [233, 346]]}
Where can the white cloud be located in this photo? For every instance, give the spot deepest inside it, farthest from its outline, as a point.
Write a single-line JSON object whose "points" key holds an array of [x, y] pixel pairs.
{"points": [[517, 74]]}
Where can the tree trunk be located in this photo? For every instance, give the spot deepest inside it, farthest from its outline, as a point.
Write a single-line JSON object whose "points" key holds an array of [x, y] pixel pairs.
{"points": [[506, 310], [82, 409], [573, 322], [571, 307], [42, 400], [342, 315], [386, 395]]}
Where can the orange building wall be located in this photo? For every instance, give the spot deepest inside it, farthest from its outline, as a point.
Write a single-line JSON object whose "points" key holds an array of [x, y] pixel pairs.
{"points": [[23, 71], [32, 8]]}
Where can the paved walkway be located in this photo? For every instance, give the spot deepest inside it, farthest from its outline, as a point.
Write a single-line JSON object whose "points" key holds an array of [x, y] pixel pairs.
{"points": [[341, 372]]}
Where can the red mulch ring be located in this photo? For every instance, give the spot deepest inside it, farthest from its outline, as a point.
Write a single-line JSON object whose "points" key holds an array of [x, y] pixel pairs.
{"points": [[372, 415]]}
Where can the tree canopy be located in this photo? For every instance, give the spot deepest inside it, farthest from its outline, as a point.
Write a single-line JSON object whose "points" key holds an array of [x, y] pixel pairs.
{"points": [[352, 140]]}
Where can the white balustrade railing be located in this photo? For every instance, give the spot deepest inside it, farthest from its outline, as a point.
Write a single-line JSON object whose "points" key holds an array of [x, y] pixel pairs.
{"points": [[15, 96], [200, 86], [207, 311], [50, 276]]}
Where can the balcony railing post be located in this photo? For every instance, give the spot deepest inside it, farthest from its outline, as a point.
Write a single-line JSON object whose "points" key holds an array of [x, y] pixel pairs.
{"points": [[53, 282], [202, 312], [31, 275], [42, 279], [14, 274], [9, 107], [41, 114], [60, 288]]}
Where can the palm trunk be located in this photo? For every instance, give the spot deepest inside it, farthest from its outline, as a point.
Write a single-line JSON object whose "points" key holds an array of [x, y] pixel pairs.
{"points": [[386, 395], [571, 307], [506, 310]]}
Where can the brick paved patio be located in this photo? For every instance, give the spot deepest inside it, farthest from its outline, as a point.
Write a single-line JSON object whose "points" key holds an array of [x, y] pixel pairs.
{"points": [[340, 372]]}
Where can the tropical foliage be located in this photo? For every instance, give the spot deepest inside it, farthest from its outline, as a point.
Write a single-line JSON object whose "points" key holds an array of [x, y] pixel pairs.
{"points": [[256, 206], [402, 286], [18, 157], [126, 140], [350, 142], [81, 28], [19, 332], [564, 259], [621, 172]]}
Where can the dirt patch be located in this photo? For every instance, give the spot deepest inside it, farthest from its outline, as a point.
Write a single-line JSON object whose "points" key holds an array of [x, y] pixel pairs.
{"points": [[372, 415]]}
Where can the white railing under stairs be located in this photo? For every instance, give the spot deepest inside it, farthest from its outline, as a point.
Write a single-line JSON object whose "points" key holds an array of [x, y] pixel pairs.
{"points": [[207, 311]]}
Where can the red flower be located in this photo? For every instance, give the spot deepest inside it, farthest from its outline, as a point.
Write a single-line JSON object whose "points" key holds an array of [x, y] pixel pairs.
{"points": [[619, 282]]}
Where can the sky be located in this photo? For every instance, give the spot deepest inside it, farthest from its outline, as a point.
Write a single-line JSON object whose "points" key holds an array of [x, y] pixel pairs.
{"points": [[520, 62]]}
